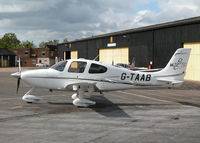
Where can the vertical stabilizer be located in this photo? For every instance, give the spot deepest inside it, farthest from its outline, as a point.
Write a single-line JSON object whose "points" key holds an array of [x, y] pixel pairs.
{"points": [[176, 67]]}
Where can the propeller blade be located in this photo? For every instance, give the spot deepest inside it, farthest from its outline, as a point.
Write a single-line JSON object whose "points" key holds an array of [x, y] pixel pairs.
{"points": [[18, 83], [18, 74], [19, 67]]}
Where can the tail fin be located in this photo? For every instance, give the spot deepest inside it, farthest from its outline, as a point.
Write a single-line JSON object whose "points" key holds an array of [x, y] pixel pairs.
{"points": [[176, 67]]}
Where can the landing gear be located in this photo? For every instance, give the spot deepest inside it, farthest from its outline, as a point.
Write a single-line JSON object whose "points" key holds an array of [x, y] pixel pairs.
{"points": [[81, 102], [30, 98], [80, 99], [74, 96]]}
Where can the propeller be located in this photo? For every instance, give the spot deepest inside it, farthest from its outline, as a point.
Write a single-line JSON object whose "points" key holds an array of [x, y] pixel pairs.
{"points": [[18, 83], [19, 73]]}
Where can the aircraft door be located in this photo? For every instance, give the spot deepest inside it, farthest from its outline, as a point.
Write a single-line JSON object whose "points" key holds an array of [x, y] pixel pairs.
{"points": [[77, 67]]}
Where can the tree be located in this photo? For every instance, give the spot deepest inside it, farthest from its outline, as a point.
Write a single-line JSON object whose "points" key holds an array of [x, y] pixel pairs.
{"points": [[9, 40], [27, 44], [42, 45], [65, 40], [51, 42]]}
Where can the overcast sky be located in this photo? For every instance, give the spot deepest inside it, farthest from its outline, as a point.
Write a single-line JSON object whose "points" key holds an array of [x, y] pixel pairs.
{"points": [[43, 20]]}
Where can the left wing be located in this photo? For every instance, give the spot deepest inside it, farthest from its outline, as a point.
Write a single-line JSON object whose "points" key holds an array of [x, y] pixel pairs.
{"points": [[84, 86], [170, 81]]}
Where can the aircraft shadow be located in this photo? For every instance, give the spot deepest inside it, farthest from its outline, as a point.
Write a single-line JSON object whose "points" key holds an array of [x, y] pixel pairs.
{"points": [[103, 106], [59, 103], [107, 108]]}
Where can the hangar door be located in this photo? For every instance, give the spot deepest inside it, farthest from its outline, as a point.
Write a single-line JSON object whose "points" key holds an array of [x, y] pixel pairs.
{"points": [[114, 55], [193, 68], [74, 54]]}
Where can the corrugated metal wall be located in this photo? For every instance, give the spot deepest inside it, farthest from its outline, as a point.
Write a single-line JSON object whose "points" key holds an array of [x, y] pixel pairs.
{"points": [[167, 40]]}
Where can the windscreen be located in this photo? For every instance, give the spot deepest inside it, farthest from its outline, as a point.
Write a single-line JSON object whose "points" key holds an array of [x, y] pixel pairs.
{"points": [[59, 66]]}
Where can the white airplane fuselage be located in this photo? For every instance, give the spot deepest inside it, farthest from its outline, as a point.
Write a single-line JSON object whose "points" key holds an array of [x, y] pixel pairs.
{"points": [[114, 79]]}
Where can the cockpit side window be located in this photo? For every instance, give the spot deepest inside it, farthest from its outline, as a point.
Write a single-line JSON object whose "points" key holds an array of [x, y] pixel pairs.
{"points": [[96, 69], [59, 66], [77, 67]]}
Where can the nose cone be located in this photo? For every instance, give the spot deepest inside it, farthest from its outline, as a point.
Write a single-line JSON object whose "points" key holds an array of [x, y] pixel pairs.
{"points": [[38, 73], [16, 74], [34, 77]]}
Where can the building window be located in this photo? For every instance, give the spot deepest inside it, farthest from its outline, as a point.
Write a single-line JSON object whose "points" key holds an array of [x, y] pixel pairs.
{"points": [[43, 53], [33, 61], [33, 55], [26, 52]]}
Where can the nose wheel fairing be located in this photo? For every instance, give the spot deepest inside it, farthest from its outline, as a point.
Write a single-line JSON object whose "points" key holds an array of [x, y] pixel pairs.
{"points": [[30, 98]]}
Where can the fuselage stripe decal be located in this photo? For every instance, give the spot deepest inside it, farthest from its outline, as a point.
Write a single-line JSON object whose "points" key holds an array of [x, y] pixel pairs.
{"points": [[116, 82]]}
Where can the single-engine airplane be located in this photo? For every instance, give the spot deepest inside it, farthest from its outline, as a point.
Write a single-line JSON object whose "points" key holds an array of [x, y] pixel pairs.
{"points": [[92, 78]]}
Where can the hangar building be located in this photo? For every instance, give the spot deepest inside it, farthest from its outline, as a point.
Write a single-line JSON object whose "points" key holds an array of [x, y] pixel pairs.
{"points": [[7, 58], [155, 43]]}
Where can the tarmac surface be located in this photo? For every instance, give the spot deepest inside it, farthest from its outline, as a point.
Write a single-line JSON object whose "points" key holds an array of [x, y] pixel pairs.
{"points": [[138, 115]]}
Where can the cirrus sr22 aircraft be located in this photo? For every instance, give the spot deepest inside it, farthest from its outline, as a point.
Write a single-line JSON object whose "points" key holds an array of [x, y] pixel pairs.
{"points": [[91, 77]]}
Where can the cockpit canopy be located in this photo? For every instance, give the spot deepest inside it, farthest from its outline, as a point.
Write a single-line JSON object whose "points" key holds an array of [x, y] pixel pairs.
{"points": [[79, 67]]}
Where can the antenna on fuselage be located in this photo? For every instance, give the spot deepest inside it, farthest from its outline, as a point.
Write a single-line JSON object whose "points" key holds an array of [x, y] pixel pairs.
{"points": [[95, 58]]}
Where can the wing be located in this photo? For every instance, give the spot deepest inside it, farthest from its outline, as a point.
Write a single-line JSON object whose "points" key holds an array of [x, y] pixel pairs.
{"points": [[85, 86]]}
